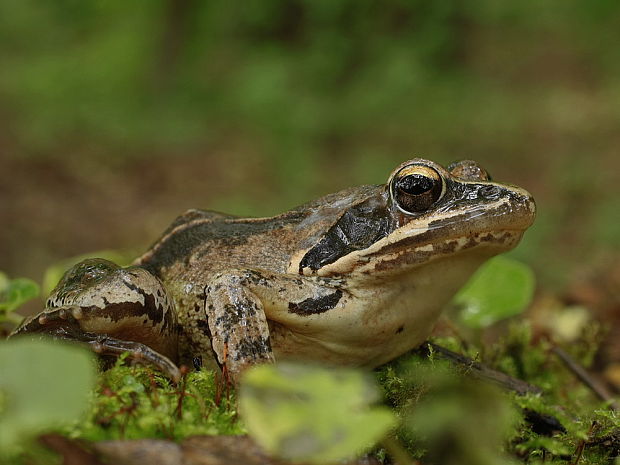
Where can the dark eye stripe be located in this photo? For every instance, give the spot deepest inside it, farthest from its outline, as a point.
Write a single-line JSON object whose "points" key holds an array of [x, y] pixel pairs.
{"points": [[358, 228]]}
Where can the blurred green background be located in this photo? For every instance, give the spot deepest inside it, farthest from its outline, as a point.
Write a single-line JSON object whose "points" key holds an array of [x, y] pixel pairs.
{"points": [[117, 116]]}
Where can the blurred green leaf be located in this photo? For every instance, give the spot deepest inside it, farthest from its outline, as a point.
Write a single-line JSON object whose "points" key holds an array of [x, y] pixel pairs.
{"points": [[309, 413], [501, 288], [14, 293], [43, 384]]}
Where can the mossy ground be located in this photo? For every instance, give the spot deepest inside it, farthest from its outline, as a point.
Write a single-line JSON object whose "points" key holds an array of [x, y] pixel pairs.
{"points": [[133, 402], [435, 402], [591, 425]]}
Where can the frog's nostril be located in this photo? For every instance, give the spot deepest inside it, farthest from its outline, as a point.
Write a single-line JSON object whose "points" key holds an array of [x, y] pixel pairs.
{"points": [[490, 192], [531, 205]]}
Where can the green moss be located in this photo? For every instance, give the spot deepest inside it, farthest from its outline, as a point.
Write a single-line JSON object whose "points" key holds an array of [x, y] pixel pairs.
{"points": [[134, 402], [433, 401], [413, 383]]}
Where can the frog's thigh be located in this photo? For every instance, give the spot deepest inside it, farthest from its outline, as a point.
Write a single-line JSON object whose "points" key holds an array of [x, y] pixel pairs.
{"points": [[112, 309]]}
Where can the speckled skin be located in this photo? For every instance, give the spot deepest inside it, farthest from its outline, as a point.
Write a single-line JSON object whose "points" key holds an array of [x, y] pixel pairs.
{"points": [[352, 278]]}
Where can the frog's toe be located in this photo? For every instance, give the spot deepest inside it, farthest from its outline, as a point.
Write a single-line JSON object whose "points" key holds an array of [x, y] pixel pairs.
{"points": [[50, 321], [141, 353], [64, 323]]}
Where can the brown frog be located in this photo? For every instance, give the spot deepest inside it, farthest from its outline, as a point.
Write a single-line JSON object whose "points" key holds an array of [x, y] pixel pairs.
{"points": [[354, 278]]}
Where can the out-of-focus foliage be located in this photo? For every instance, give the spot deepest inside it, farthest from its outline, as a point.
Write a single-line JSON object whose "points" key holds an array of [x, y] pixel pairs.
{"points": [[167, 71], [299, 73], [313, 414], [43, 384], [501, 288], [13, 293], [448, 418]]}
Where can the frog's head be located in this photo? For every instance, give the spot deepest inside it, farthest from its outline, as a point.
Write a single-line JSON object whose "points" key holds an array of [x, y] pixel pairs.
{"points": [[425, 213]]}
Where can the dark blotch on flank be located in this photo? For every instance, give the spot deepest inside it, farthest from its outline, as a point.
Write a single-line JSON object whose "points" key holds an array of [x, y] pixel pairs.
{"points": [[313, 306]]}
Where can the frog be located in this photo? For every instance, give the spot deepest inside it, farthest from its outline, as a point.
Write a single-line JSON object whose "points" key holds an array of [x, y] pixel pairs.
{"points": [[355, 278]]}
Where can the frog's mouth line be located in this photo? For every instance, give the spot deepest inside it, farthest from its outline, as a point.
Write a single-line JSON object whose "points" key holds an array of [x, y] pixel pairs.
{"points": [[500, 240], [415, 255]]}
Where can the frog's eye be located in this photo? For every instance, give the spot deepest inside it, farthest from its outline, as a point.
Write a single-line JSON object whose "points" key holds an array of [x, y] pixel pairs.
{"points": [[416, 188]]}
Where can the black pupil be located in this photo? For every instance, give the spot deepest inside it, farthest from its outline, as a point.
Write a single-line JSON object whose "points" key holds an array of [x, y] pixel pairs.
{"points": [[415, 184]]}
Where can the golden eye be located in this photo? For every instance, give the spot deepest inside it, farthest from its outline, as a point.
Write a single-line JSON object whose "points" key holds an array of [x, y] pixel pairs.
{"points": [[416, 188]]}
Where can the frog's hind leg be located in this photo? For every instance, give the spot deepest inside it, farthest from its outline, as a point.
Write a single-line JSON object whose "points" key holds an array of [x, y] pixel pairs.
{"points": [[113, 310]]}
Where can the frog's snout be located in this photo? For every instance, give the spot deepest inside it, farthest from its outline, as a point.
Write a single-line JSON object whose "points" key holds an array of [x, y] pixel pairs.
{"points": [[527, 203], [522, 207]]}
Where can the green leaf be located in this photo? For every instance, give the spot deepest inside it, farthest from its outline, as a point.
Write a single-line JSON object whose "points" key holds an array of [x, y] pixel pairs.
{"points": [[314, 414], [501, 288], [43, 384], [15, 292]]}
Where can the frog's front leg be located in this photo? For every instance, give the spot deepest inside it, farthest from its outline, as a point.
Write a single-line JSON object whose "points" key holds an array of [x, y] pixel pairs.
{"points": [[237, 323], [113, 310], [239, 304]]}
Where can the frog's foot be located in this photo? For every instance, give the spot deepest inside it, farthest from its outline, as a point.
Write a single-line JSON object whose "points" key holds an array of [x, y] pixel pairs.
{"points": [[237, 323], [63, 323]]}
